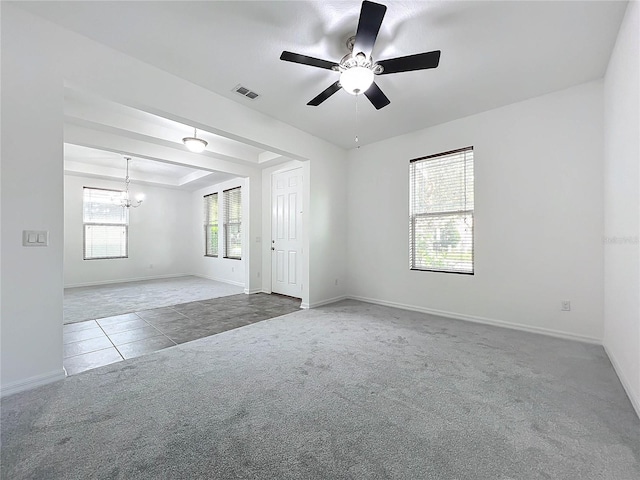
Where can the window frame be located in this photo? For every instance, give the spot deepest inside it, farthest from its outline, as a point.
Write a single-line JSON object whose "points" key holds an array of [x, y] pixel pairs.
{"points": [[86, 224], [448, 213], [208, 224], [227, 223]]}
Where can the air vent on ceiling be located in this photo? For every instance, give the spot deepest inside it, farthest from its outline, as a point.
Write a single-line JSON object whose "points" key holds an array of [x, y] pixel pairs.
{"points": [[245, 92]]}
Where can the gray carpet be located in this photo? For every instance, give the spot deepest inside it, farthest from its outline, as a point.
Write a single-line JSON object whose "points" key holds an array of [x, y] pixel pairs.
{"points": [[89, 303], [96, 343], [349, 390]]}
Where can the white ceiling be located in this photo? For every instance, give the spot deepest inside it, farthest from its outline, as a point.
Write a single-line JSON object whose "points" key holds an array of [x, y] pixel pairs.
{"points": [[96, 163], [493, 53], [100, 133]]}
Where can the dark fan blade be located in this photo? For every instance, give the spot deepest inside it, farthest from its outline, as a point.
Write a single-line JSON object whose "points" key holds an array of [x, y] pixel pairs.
{"points": [[371, 16], [376, 97], [325, 94], [303, 59], [419, 61]]}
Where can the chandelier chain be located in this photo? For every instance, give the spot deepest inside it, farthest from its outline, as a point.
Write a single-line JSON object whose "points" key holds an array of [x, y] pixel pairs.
{"points": [[126, 201]]}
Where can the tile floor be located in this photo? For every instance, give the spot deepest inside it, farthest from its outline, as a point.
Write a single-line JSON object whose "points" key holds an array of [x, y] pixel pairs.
{"points": [[94, 343]]}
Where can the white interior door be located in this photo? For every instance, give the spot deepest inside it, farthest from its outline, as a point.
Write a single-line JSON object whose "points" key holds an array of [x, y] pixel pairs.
{"points": [[286, 232]]}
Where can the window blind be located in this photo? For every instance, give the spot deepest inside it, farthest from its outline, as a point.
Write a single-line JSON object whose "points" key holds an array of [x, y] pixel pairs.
{"points": [[441, 210], [106, 224], [211, 225], [233, 223]]}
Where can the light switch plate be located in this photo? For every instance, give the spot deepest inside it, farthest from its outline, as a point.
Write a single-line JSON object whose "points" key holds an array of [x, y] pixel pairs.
{"points": [[35, 238]]}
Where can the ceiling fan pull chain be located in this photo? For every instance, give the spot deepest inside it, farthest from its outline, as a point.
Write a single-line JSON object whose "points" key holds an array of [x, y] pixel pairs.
{"points": [[356, 125]]}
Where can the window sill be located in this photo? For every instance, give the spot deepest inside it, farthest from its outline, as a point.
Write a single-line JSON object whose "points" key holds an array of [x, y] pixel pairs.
{"points": [[440, 271], [104, 258]]}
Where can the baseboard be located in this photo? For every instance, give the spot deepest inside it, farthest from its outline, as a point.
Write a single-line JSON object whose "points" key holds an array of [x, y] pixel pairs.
{"points": [[127, 280], [32, 382], [325, 302], [483, 320], [252, 291], [223, 280], [635, 401]]}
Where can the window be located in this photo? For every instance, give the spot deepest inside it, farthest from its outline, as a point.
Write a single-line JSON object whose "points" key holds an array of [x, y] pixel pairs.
{"points": [[106, 224], [232, 223], [211, 225], [441, 212]]}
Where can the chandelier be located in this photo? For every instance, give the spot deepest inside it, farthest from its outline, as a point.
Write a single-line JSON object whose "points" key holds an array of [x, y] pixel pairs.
{"points": [[125, 200]]}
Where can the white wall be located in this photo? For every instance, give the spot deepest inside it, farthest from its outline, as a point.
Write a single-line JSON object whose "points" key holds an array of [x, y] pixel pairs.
{"points": [[142, 86], [38, 58], [251, 232], [538, 217], [32, 198], [621, 205], [328, 230], [159, 235], [220, 268], [324, 224]]}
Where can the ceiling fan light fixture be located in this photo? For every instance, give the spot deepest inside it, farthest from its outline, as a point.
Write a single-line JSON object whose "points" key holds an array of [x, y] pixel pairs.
{"points": [[194, 143], [357, 68], [356, 80]]}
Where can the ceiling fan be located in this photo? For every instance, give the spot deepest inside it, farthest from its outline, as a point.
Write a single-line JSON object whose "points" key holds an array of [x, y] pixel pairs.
{"points": [[357, 68]]}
